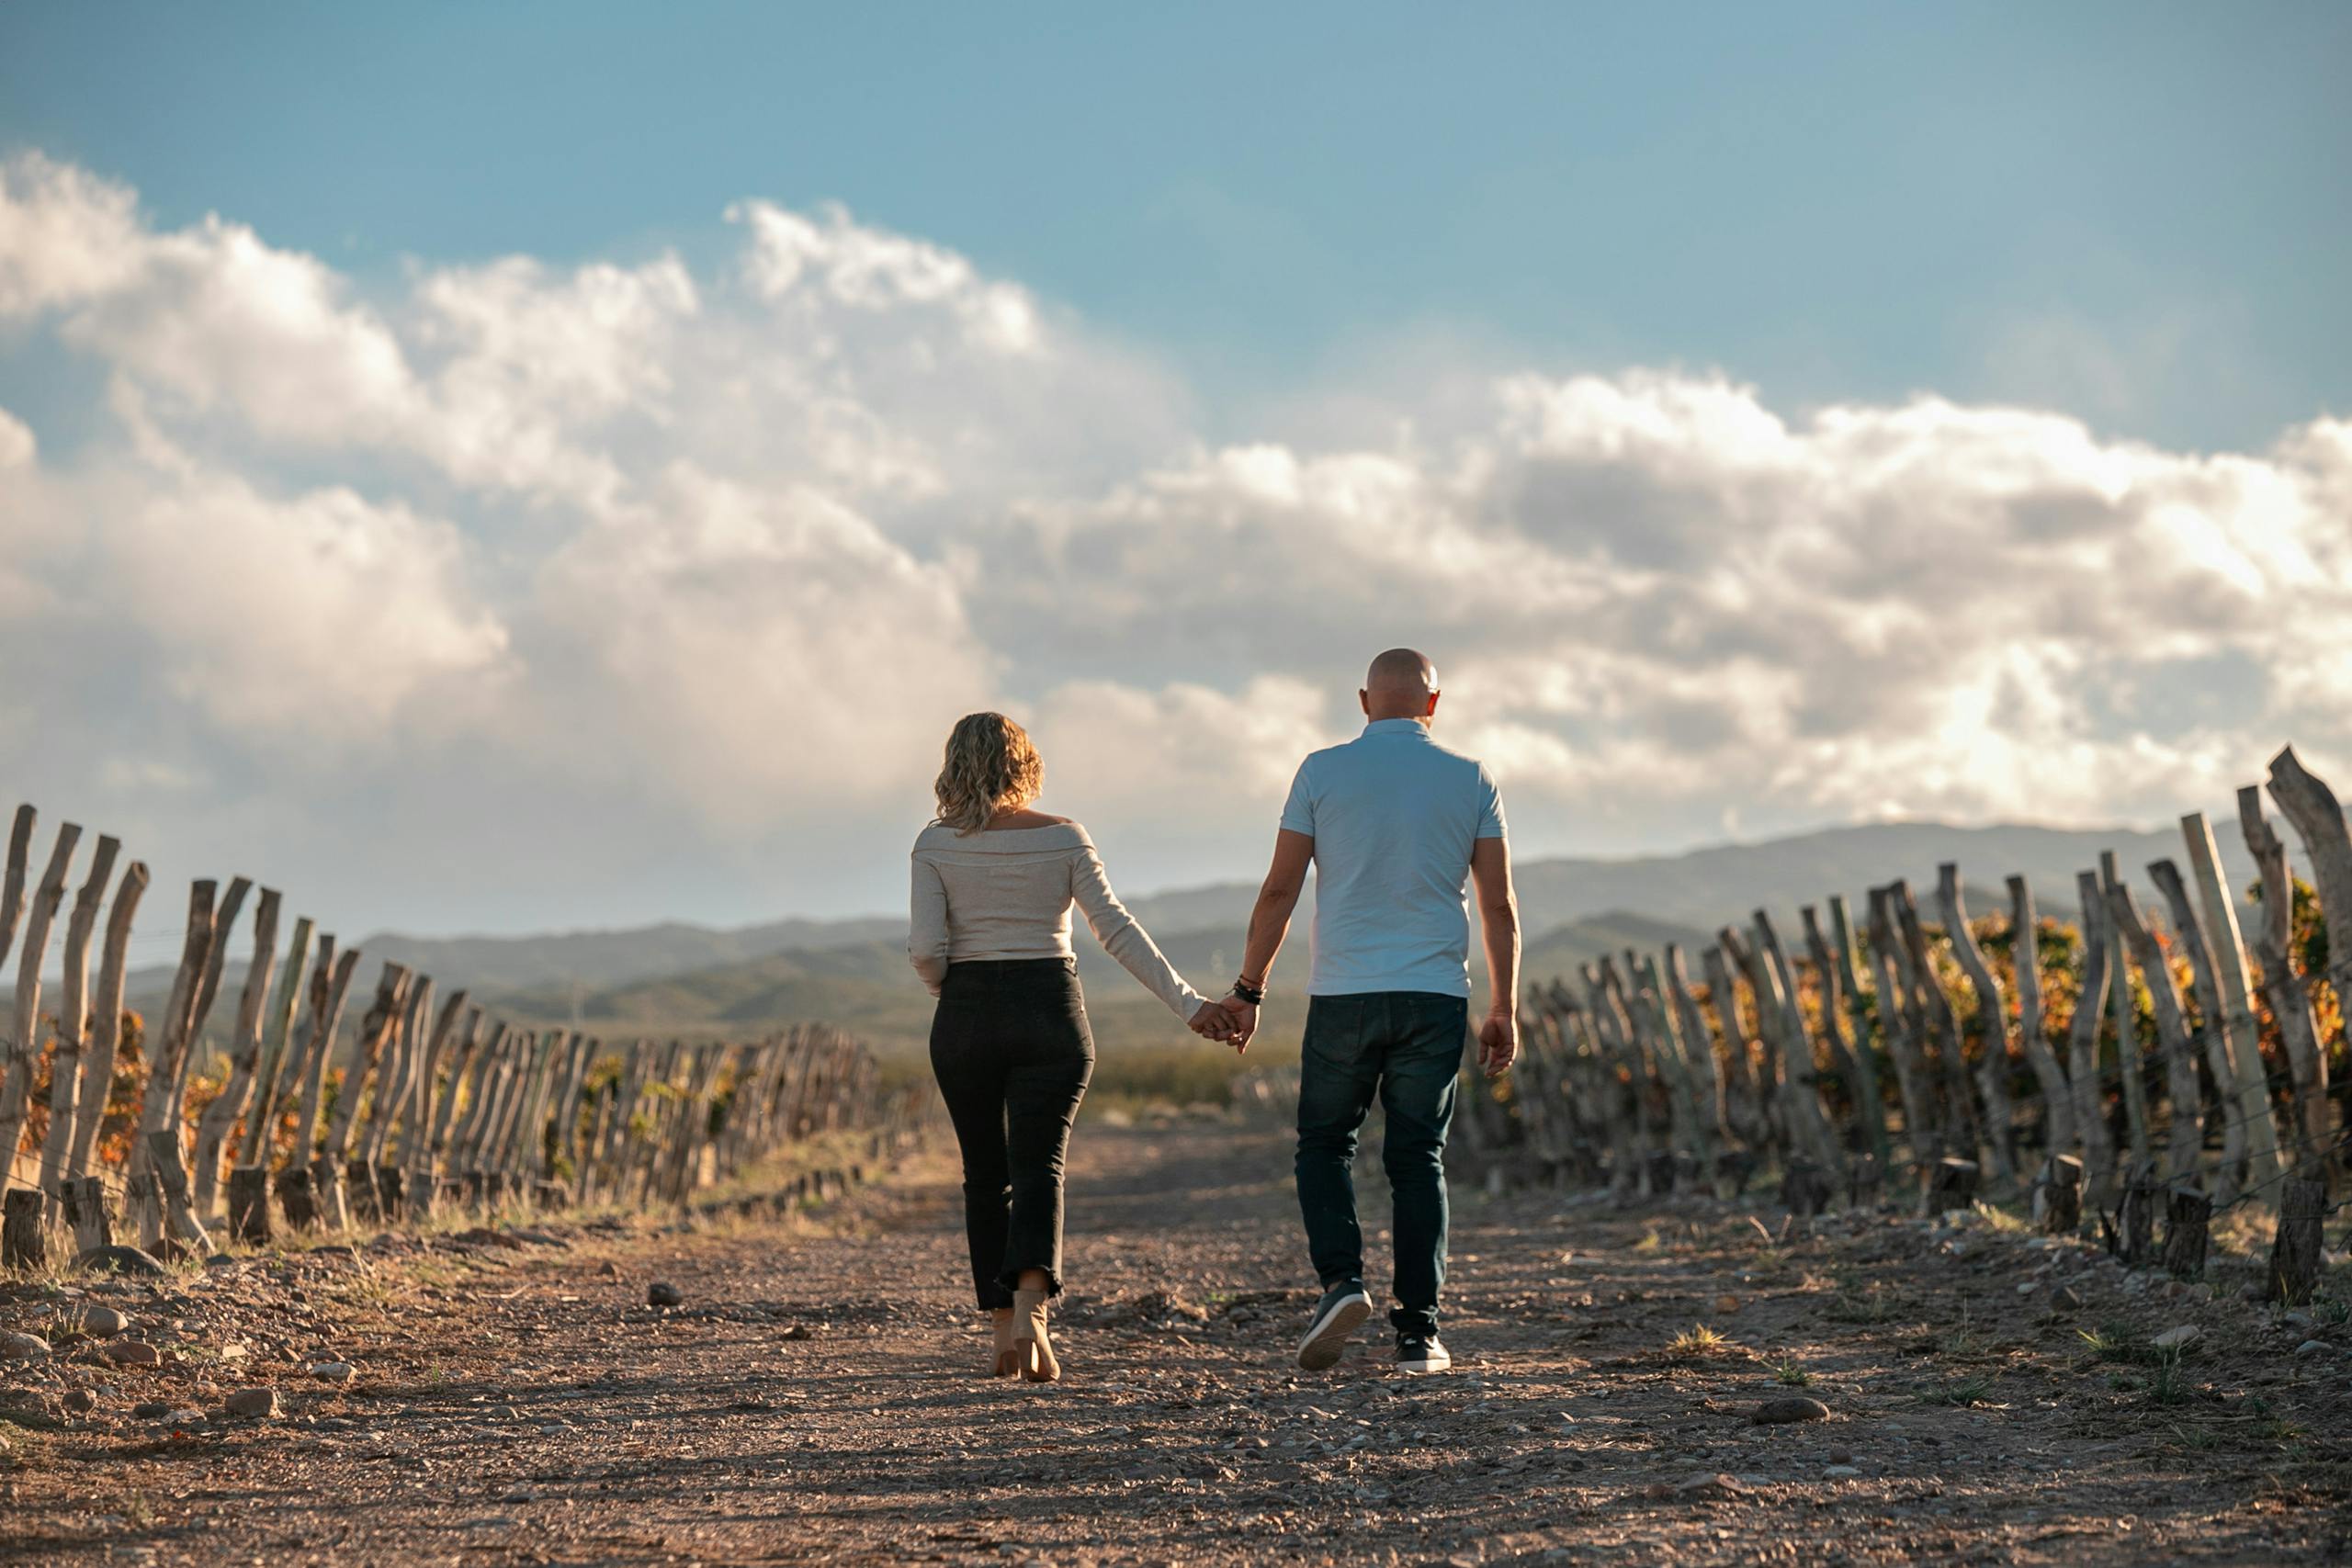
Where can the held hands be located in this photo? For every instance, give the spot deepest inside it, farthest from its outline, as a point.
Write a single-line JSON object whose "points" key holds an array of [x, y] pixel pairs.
{"points": [[1231, 1022], [1211, 1021], [1498, 1041]]}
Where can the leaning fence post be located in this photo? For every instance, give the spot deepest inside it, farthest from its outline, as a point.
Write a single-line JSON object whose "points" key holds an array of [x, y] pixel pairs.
{"points": [[11, 885], [24, 1038], [2265, 1157], [105, 1030], [154, 1107], [2082, 1044], [1898, 1025], [2127, 1027], [244, 1053], [72, 1025], [1846, 1016], [269, 1093], [2185, 1139], [2285, 987], [2210, 1034], [1992, 1022], [2057, 1094]]}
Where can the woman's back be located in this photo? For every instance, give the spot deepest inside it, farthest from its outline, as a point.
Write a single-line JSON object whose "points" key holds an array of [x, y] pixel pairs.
{"points": [[1005, 893], [1008, 890]]}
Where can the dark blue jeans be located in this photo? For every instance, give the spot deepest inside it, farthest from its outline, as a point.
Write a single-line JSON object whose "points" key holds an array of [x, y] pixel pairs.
{"points": [[1012, 1053], [1406, 1047]]}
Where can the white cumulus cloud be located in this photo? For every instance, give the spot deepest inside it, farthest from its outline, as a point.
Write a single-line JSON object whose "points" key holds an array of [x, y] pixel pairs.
{"points": [[705, 553]]}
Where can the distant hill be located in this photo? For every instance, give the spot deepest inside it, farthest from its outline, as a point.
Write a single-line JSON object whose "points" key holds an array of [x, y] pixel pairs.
{"points": [[680, 977], [1697, 890], [869, 985]]}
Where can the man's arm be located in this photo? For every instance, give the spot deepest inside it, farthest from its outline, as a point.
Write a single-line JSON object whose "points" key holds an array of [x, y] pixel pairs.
{"points": [[1499, 923], [1270, 921]]}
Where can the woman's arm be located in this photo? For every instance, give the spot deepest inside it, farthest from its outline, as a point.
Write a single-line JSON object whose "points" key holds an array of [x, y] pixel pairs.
{"points": [[927, 926], [1124, 939]]}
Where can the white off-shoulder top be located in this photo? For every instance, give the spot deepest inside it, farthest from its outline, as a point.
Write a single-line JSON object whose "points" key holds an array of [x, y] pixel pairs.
{"points": [[1007, 893]]}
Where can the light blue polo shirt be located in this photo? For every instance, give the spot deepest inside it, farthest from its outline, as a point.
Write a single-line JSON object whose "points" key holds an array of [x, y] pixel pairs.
{"points": [[1393, 815]]}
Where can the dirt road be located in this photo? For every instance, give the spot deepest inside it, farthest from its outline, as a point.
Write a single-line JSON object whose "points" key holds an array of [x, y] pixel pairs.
{"points": [[813, 1397]]}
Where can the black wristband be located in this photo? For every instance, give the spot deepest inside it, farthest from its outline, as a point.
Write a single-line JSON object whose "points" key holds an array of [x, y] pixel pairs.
{"points": [[1254, 995]]}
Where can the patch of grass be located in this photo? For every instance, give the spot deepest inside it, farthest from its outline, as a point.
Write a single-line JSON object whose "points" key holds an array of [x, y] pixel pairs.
{"points": [[2000, 1222], [1961, 1341], [1864, 1301], [2195, 1439], [1698, 1341], [2282, 1431], [1956, 1391], [2170, 1385], [2117, 1341], [1788, 1373]]}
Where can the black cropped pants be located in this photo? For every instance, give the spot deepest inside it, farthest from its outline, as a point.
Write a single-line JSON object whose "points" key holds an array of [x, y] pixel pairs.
{"points": [[1012, 1053]]}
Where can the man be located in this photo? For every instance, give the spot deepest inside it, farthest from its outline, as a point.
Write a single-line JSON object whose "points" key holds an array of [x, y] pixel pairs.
{"points": [[1394, 825]]}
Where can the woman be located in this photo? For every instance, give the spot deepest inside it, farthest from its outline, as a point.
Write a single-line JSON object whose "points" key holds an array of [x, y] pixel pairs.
{"points": [[993, 884]]}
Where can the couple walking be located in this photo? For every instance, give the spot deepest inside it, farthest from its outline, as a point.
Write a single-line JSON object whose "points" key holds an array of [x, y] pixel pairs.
{"points": [[1395, 826]]}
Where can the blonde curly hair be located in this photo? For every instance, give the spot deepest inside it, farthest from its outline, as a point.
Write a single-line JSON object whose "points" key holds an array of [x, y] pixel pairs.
{"points": [[990, 766]]}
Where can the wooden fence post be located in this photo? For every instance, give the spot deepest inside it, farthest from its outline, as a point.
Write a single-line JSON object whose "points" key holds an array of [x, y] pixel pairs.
{"points": [[2082, 1044], [1964, 1128], [2267, 1158], [1844, 1017], [24, 1036], [2127, 1056], [207, 991], [490, 1068], [1992, 1022], [24, 1242], [2136, 1219], [11, 884], [2190, 931], [395, 1094], [1800, 1080], [420, 1129], [72, 1026], [2295, 1249], [1749, 1104], [2318, 817], [270, 1078], [2058, 1195], [330, 988], [2185, 1139], [463, 1077], [1699, 1045], [157, 1110], [2057, 1094], [180, 1220], [1899, 1026], [1762, 1054], [2287, 990], [2188, 1210], [105, 1030], [244, 1054], [327, 1171]]}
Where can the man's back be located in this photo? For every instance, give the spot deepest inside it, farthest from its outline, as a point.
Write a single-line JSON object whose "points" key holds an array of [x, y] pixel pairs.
{"points": [[1394, 816]]}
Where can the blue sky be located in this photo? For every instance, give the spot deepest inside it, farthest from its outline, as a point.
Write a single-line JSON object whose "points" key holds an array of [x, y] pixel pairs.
{"points": [[2136, 211], [511, 466]]}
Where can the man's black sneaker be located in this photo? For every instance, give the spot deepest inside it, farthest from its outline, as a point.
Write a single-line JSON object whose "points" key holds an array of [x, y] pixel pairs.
{"points": [[1340, 1314], [1421, 1353]]}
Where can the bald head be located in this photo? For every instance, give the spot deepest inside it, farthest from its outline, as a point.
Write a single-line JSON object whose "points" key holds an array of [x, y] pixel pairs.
{"points": [[1401, 683]]}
